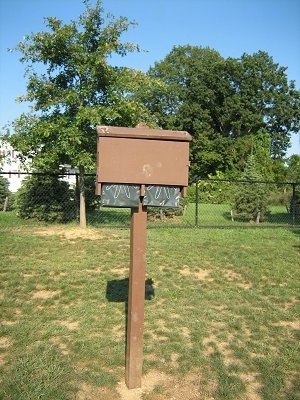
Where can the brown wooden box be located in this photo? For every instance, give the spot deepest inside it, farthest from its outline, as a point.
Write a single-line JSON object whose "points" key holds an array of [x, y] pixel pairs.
{"points": [[142, 156]]}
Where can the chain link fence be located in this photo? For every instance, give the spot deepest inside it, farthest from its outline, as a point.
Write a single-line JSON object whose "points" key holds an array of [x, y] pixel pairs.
{"points": [[55, 198]]}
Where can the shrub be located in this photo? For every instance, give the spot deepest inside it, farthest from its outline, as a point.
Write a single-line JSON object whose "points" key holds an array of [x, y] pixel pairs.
{"points": [[167, 212], [46, 198], [191, 193], [295, 204], [250, 201]]}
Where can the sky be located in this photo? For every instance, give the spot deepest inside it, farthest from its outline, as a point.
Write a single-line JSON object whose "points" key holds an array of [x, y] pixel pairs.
{"points": [[232, 27]]}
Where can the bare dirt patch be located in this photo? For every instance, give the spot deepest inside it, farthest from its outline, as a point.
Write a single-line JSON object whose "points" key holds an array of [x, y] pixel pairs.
{"points": [[118, 332], [251, 380], [119, 270], [149, 381], [71, 233], [157, 385], [62, 346], [200, 274], [91, 392], [71, 325], [45, 294], [233, 276], [5, 342], [295, 325]]}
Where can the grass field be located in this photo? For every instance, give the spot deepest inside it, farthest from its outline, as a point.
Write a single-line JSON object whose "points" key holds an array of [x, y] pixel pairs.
{"points": [[222, 321], [208, 215]]}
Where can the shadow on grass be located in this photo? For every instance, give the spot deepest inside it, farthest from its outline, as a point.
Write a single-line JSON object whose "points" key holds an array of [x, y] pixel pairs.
{"points": [[117, 290], [110, 217], [274, 218]]}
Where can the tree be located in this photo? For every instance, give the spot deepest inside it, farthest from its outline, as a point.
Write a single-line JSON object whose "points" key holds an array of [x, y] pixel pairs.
{"points": [[251, 197], [224, 104], [293, 168], [73, 88]]}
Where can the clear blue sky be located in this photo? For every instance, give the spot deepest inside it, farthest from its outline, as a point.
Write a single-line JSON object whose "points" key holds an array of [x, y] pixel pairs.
{"points": [[232, 27]]}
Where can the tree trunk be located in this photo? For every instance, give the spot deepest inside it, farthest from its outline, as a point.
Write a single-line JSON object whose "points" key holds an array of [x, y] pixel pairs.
{"points": [[258, 217], [5, 204], [82, 208]]}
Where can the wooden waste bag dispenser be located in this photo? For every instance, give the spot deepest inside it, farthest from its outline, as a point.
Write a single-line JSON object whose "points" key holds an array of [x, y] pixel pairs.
{"points": [[136, 168]]}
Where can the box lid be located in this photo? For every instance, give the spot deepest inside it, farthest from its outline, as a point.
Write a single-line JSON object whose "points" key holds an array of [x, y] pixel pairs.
{"points": [[143, 133]]}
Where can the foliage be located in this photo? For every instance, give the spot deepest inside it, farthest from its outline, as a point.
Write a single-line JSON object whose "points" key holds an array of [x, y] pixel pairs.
{"points": [[293, 168], [46, 198], [72, 88], [227, 105], [215, 189], [92, 201], [4, 191], [191, 193], [250, 200], [162, 213]]}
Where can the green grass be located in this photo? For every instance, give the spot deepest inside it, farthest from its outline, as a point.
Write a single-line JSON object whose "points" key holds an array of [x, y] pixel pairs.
{"points": [[223, 322], [208, 215]]}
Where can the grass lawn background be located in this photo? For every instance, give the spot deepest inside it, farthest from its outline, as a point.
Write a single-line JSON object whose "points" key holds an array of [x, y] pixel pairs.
{"points": [[222, 323]]}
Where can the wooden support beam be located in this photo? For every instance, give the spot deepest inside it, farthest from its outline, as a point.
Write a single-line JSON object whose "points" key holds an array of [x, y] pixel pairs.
{"points": [[136, 297]]}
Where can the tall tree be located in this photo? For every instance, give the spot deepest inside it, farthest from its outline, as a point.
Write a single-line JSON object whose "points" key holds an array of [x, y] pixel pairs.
{"points": [[224, 103], [72, 88]]}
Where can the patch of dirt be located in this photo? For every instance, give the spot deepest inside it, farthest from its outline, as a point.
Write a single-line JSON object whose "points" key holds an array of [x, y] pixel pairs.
{"points": [[119, 270], [174, 360], [29, 275], [9, 323], [253, 386], [289, 324], [233, 276], [162, 325], [158, 337], [2, 359], [71, 233], [57, 276], [91, 392], [160, 386], [156, 385], [62, 346], [290, 303], [18, 312], [45, 294], [5, 342], [68, 324], [149, 382], [118, 332], [187, 335], [200, 274], [251, 380]]}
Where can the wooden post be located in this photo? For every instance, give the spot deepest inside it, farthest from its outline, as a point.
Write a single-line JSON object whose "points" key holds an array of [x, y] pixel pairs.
{"points": [[136, 297]]}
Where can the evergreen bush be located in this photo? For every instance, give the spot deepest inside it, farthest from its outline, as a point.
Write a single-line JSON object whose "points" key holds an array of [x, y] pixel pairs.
{"points": [[250, 200], [46, 198]]}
